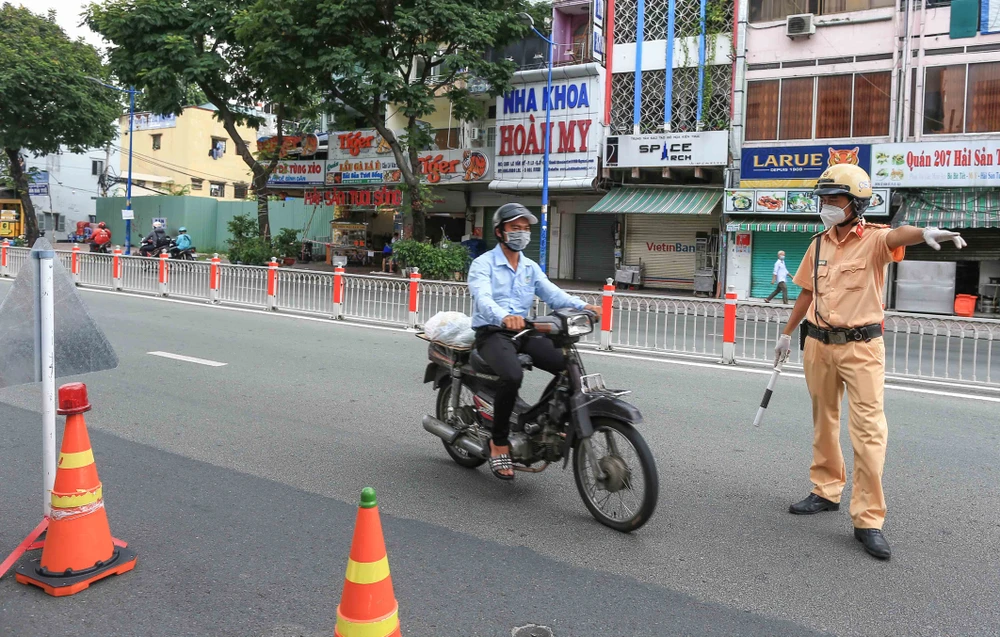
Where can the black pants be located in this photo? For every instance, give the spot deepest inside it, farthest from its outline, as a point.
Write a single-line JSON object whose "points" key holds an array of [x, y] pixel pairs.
{"points": [[783, 288], [500, 353]]}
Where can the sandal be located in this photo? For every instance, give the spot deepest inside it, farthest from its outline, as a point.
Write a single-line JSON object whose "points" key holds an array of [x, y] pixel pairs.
{"points": [[500, 463]]}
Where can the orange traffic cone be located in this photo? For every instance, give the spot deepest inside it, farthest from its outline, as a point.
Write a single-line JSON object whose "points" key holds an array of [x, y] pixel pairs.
{"points": [[368, 606], [78, 548]]}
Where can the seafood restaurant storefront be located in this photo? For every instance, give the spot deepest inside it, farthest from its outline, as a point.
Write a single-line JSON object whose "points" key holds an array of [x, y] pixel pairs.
{"points": [[774, 210]]}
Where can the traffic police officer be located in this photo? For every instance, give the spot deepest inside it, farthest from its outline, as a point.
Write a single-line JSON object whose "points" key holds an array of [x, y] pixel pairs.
{"points": [[842, 278]]}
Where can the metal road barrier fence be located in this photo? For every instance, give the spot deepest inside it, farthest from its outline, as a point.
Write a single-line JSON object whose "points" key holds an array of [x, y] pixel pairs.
{"points": [[929, 347]]}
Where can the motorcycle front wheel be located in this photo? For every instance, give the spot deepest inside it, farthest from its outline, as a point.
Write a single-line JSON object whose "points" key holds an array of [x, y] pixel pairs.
{"points": [[460, 456], [627, 495]]}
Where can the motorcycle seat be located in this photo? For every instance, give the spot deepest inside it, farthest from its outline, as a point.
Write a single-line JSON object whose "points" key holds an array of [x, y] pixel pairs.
{"points": [[483, 367]]}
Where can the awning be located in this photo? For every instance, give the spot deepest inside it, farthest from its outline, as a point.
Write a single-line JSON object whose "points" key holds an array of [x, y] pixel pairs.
{"points": [[952, 208], [659, 201], [764, 225]]}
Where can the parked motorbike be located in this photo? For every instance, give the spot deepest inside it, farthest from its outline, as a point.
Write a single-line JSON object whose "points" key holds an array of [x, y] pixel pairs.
{"points": [[576, 416]]}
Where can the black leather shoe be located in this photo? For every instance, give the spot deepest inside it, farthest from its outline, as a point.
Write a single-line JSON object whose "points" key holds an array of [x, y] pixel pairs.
{"points": [[874, 542], [813, 504]]}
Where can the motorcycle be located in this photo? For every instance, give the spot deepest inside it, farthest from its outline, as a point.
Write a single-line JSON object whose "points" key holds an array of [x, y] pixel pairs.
{"points": [[577, 415], [102, 248], [148, 248], [187, 254]]}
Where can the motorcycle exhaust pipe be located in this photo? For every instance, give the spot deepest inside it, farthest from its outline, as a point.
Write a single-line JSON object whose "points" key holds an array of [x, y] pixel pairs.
{"points": [[442, 430], [450, 435]]}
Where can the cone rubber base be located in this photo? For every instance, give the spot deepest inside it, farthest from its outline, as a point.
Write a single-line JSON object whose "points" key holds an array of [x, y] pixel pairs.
{"points": [[122, 561]]}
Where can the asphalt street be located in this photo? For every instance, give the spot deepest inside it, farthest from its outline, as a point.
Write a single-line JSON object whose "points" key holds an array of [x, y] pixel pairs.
{"points": [[238, 486]]}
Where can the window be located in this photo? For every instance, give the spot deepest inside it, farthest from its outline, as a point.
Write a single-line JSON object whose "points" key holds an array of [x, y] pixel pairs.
{"points": [[446, 138], [762, 110], [769, 10], [239, 191], [845, 106], [60, 223], [944, 100], [217, 189], [983, 101], [157, 140], [218, 148], [833, 106], [196, 183], [138, 183], [96, 167], [491, 137], [795, 116]]}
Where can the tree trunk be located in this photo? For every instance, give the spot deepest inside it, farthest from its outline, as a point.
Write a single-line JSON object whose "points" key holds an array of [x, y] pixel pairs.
{"points": [[414, 185], [30, 221], [260, 190]]}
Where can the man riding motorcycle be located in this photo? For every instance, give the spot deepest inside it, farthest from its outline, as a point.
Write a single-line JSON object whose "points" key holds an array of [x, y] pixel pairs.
{"points": [[503, 283], [183, 239], [100, 240], [154, 240]]}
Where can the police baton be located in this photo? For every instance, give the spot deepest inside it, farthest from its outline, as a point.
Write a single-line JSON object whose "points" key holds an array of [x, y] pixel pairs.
{"points": [[767, 394]]}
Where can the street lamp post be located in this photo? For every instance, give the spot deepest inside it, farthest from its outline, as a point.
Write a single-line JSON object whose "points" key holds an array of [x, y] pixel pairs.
{"points": [[543, 244], [128, 184]]}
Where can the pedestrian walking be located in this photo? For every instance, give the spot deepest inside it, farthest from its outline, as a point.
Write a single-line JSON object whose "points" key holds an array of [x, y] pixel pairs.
{"points": [[843, 278], [780, 277]]}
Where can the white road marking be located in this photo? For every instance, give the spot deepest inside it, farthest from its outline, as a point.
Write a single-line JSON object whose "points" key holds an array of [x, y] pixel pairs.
{"points": [[664, 360], [188, 359]]}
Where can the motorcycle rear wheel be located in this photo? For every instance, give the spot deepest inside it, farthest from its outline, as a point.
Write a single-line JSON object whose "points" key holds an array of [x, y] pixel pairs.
{"points": [[460, 456], [628, 463]]}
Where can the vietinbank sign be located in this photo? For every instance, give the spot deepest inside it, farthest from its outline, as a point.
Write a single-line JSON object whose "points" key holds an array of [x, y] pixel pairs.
{"points": [[576, 136]]}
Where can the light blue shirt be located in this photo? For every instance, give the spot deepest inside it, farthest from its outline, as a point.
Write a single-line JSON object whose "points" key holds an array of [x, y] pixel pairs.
{"points": [[499, 291], [183, 241], [780, 271]]}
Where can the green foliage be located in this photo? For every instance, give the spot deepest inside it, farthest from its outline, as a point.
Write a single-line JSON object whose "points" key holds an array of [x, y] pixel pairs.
{"points": [[246, 245], [287, 243], [433, 262], [367, 55], [175, 190], [46, 100]]}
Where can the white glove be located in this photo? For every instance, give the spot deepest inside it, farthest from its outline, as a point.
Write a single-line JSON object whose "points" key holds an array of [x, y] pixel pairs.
{"points": [[782, 349], [934, 236]]}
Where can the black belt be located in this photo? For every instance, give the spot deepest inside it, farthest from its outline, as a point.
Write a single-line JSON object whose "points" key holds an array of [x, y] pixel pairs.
{"points": [[840, 336]]}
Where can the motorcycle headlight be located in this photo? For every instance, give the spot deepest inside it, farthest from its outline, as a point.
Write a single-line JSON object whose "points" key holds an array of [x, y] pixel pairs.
{"points": [[578, 325]]}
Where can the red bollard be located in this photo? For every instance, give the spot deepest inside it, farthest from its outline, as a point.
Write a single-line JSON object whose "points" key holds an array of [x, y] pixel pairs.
{"points": [[116, 268], [163, 273], [607, 309], [729, 329], [272, 284], [75, 265], [3, 257], [338, 292], [213, 278], [414, 297]]}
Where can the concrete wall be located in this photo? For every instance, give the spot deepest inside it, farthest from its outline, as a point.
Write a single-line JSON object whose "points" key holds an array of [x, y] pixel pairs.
{"points": [[206, 219]]}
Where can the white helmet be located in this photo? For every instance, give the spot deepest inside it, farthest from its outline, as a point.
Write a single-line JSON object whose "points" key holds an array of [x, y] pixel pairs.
{"points": [[157, 224]]}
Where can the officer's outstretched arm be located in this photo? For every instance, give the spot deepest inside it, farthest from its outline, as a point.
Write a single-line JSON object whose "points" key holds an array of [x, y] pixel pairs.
{"points": [[799, 311]]}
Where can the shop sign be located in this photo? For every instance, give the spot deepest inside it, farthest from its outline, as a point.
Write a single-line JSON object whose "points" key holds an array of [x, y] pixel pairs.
{"points": [[742, 243], [653, 246], [297, 171], [791, 202], [937, 164], [381, 197], [437, 168], [148, 121], [359, 144], [39, 186], [667, 149], [575, 135], [797, 166]]}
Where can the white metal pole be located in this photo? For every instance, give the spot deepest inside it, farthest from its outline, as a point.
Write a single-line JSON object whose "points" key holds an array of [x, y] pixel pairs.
{"points": [[46, 341]]}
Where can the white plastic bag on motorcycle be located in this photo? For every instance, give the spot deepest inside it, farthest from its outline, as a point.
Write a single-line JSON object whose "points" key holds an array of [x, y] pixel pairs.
{"points": [[450, 328]]}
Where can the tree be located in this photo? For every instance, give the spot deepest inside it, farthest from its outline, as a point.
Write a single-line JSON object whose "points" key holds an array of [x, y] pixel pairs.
{"points": [[165, 47], [46, 101], [372, 54]]}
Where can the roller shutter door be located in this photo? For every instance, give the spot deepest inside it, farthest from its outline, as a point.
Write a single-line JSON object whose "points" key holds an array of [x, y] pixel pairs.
{"points": [[765, 252], [594, 252], [665, 245]]}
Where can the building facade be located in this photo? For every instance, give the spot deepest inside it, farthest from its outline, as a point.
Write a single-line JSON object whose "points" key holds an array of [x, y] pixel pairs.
{"points": [[190, 153], [911, 93]]}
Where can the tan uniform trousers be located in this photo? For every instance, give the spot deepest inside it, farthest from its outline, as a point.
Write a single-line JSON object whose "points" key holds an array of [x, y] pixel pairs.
{"points": [[859, 366]]}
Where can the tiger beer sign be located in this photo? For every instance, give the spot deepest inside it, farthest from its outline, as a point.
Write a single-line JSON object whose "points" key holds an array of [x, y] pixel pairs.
{"points": [[797, 166], [438, 167]]}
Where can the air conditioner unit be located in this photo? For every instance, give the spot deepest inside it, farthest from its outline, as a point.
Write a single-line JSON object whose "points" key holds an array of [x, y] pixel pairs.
{"points": [[475, 133], [800, 26]]}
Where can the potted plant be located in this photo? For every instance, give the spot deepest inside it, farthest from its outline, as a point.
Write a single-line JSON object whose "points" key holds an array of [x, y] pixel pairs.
{"points": [[287, 245]]}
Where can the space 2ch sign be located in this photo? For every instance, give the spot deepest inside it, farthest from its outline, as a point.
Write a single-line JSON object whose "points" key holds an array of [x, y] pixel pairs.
{"points": [[575, 137]]}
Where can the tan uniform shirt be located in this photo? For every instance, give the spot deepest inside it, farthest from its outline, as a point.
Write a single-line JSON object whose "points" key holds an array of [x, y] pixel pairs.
{"points": [[851, 276]]}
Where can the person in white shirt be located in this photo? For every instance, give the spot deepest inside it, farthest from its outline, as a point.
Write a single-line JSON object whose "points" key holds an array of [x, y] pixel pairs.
{"points": [[780, 277]]}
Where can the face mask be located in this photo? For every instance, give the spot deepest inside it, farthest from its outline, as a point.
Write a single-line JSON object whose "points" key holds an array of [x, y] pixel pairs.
{"points": [[781, 258], [832, 215], [517, 241]]}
